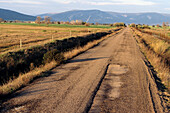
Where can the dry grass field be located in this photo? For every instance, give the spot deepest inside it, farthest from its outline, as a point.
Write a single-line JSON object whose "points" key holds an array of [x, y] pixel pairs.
{"points": [[157, 51], [161, 33], [32, 36], [11, 35]]}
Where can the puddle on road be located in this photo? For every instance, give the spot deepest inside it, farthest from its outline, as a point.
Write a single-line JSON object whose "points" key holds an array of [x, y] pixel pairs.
{"points": [[110, 87]]}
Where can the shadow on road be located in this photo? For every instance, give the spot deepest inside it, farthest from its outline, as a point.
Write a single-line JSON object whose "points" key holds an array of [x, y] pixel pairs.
{"points": [[83, 60]]}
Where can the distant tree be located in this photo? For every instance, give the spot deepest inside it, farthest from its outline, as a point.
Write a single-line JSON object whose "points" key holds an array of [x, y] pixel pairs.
{"points": [[87, 24], [133, 25], [83, 23], [121, 24], [61, 22], [67, 22], [58, 22], [158, 25], [145, 27], [73, 22], [79, 22], [38, 20], [1, 20], [97, 23], [110, 25], [163, 24], [47, 20], [167, 23]]}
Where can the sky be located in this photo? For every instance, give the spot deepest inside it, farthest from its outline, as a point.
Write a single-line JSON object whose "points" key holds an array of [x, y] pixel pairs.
{"points": [[35, 7]]}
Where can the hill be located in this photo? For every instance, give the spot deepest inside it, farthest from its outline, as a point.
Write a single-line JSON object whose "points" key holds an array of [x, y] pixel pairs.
{"points": [[12, 15], [93, 16]]}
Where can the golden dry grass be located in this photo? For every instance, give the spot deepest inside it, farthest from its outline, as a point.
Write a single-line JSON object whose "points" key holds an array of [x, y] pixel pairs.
{"points": [[10, 35], [162, 33], [24, 79], [162, 69], [157, 47]]}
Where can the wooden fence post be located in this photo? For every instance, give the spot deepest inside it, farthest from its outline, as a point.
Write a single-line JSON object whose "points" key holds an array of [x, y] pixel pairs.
{"points": [[20, 43], [70, 33]]}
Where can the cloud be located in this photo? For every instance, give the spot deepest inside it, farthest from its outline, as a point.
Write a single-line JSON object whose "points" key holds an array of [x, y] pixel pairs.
{"points": [[89, 2], [109, 2], [167, 8], [21, 1]]}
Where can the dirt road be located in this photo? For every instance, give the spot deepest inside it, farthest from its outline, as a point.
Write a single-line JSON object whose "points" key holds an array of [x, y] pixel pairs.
{"points": [[127, 86]]}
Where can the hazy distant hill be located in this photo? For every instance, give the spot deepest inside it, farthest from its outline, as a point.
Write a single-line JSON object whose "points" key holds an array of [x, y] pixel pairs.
{"points": [[93, 16], [12, 15]]}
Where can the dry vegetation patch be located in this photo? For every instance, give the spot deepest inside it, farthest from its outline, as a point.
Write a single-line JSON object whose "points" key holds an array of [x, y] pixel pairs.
{"points": [[162, 34], [11, 35], [157, 51], [84, 43]]}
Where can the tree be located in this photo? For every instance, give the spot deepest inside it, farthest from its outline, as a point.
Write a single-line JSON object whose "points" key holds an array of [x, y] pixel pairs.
{"points": [[47, 20], [79, 22], [1, 20], [121, 24], [38, 20], [72, 22], [167, 23], [133, 25], [158, 25], [87, 24], [163, 24], [97, 23]]}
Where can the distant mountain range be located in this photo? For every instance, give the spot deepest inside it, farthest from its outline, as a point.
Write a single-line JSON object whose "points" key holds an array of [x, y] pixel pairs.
{"points": [[92, 16], [12, 15]]}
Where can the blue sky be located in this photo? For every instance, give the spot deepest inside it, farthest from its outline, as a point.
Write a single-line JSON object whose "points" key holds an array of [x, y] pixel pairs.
{"points": [[34, 7]]}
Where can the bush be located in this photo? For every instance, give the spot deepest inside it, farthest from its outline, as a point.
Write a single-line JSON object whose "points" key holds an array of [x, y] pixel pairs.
{"points": [[87, 24], [53, 55], [44, 31], [120, 24], [133, 25]]}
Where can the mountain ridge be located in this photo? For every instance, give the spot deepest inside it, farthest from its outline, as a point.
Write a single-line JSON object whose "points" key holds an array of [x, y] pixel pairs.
{"points": [[111, 17], [13, 15], [92, 16]]}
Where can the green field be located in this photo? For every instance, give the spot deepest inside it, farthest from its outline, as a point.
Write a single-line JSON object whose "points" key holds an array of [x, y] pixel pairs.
{"points": [[61, 25]]}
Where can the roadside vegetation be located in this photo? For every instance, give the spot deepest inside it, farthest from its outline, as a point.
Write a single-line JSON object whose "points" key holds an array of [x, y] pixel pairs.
{"points": [[19, 67], [162, 33], [157, 51]]}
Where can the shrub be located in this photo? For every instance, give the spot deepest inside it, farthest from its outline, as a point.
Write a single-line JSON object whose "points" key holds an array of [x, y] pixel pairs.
{"points": [[120, 24], [87, 24], [133, 25], [110, 25], [44, 30], [53, 55]]}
